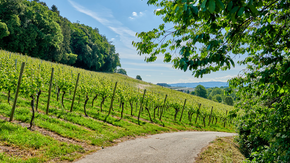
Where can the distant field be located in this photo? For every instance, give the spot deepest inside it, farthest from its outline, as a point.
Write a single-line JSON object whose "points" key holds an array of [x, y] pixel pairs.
{"points": [[67, 133]]}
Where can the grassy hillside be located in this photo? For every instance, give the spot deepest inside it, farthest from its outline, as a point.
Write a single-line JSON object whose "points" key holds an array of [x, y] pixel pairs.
{"points": [[64, 135]]}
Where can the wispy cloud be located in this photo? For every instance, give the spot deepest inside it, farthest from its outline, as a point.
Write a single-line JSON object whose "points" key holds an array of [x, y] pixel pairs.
{"points": [[136, 15], [153, 64], [196, 80], [107, 19]]}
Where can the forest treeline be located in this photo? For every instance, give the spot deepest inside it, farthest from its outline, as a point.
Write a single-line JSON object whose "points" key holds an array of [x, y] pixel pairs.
{"points": [[34, 29]]}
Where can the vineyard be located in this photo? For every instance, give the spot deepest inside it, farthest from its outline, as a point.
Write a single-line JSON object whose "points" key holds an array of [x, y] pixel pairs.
{"points": [[53, 112]]}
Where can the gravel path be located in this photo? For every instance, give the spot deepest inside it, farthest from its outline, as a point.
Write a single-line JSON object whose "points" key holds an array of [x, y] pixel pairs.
{"points": [[179, 147]]}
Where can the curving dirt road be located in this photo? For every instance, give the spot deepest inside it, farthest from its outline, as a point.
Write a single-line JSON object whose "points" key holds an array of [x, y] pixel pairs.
{"points": [[179, 147]]}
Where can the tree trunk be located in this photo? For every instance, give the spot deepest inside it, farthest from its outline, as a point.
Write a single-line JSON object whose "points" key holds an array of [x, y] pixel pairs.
{"points": [[149, 114], [87, 99], [94, 100], [131, 105], [196, 116], [176, 112], [62, 99], [122, 105], [33, 113], [37, 100], [155, 111], [204, 121], [190, 116], [103, 101]]}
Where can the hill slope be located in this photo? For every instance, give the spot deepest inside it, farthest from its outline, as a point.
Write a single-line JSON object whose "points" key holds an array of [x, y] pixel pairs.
{"points": [[97, 117], [205, 84]]}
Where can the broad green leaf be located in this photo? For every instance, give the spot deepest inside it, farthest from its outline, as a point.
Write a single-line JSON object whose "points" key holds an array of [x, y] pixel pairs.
{"points": [[241, 11], [185, 7], [220, 4], [230, 5], [211, 6], [194, 9], [203, 4], [253, 9], [234, 10], [208, 47]]}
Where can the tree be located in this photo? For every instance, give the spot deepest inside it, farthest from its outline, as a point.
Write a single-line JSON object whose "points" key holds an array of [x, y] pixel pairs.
{"points": [[217, 91], [138, 77], [200, 91], [229, 100], [224, 29], [192, 93], [217, 98], [31, 28], [3, 30], [121, 71]]}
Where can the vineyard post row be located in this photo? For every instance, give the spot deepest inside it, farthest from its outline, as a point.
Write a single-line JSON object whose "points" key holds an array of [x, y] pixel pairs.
{"points": [[162, 109], [17, 91]]}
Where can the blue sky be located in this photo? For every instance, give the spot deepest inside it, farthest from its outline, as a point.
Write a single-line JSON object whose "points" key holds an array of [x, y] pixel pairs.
{"points": [[119, 20]]}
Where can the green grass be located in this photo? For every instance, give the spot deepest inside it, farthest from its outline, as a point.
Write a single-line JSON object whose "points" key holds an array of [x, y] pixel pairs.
{"points": [[221, 150], [98, 128], [47, 148]]}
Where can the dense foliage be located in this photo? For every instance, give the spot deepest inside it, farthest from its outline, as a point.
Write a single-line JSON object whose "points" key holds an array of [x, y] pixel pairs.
{"points": [[121, 71], [224, 29], [200, 91], [31, 28], [229, 100], [138, 77]]}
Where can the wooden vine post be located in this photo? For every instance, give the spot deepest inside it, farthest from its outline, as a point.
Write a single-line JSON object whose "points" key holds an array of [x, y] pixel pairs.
{"points": [[49, 91], [112, 100], [225, 119], [161, 109], [141, 106], [182, 110], [198, 110], [17, 91], [72, 104], [210, 116]]}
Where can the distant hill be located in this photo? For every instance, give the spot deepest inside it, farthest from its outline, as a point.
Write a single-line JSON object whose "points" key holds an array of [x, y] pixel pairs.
{"points": [[163, 84], [205, 84]]}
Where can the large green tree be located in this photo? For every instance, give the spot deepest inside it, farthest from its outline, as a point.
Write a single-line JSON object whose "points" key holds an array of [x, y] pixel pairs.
{"points": [[209, 34], [31, 28], [200, 91]]}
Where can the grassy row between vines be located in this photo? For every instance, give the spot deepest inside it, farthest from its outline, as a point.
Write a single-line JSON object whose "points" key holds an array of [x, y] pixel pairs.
{"points": [[77, 135]]}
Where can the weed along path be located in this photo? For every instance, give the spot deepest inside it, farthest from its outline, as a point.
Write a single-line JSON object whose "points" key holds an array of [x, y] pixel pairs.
{"points": [[179, 147]]}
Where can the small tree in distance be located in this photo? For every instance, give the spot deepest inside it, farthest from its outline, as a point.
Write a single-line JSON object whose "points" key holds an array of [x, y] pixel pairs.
{"points": [[200, 91], [138, 77], [121, 71], [229, 100], [217, 98]]}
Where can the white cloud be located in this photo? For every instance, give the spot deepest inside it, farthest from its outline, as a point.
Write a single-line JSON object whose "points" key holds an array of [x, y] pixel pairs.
{"points": [[107, 19], [148, 75], [135, 14], [205, 79], [152, 64]]}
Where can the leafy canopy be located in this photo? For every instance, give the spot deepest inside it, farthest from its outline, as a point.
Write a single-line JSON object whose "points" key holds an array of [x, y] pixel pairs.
{"points": [[220, 28], [200, 91], [224, 29]]}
